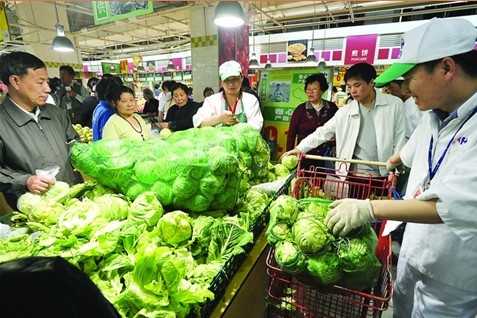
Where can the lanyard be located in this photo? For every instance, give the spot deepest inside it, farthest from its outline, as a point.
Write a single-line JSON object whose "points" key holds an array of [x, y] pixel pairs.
{"points": [[433, 171], [227, 106]]}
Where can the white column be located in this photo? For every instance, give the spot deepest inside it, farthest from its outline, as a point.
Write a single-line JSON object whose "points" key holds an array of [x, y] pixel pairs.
{"points": [[204, 50]]}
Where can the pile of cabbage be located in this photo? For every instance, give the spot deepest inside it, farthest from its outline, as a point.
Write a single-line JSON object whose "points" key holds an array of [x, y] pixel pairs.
{"points": [[304, 245], [148, 262], [196, 170]]}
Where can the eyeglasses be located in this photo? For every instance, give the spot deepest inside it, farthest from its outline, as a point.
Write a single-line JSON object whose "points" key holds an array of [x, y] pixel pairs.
{"points": [[313, 90]]}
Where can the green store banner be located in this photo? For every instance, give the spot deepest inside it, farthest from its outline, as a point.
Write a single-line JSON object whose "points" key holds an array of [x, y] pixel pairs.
{"points": [[281, 91], [107, 11]]}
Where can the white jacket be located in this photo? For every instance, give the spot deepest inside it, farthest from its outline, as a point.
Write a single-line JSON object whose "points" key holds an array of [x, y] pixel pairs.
{"points": [[215, 104], [388, 119]]}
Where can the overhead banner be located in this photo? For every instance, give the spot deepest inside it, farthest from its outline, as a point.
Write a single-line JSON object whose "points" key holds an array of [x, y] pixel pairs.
{"points": [[360, 49], [281, 91], [107, 11], [4, 34]]}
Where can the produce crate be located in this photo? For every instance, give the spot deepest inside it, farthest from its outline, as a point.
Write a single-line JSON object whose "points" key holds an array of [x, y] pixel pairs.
{"points": [[222, 279], [291, 295]]}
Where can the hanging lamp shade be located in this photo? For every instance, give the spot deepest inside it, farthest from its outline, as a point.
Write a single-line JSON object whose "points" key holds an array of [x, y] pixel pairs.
{"points": [[170, 66], [61, 43], [268, 65], [229, 14], [253, 62], [322, 63], [311, 58]]}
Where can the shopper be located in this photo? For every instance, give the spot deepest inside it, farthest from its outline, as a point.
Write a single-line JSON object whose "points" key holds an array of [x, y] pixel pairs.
{"points": [[33, 134], [310, 115], [89, 104], [71, 94], [165, 102], [232, 105], [436, 268], [151, 107], [179, 116], [104, 109], [370, 128], [40, 286], [125, 123]]}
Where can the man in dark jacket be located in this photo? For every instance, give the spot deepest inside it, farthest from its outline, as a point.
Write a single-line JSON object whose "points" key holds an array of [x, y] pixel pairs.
{"points": [[71, 94], [33, 134]]}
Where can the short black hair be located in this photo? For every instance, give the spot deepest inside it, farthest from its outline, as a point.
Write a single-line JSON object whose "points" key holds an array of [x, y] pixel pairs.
{"points": [[147, 93], [320, 78], [92, 82], [104, 86], [182, 86], [116, 91], [363, 71], [245, 82], [68, 69], [466, 60], [18, 63], [208, 89]]}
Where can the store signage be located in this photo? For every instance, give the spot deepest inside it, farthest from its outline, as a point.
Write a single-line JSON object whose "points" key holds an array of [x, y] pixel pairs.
{"points": [[107, 11], [360, 49], [280, 91]]}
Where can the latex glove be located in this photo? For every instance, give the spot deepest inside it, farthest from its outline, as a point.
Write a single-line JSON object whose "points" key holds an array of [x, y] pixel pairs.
{"points": [[348, 214], [393, 162]]}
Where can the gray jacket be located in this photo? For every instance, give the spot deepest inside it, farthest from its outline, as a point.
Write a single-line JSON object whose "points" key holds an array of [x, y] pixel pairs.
{"points": [[26, 145]]}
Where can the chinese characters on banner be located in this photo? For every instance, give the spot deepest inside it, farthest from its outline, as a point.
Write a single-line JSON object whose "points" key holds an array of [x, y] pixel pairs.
{"points": [[360, 49]]}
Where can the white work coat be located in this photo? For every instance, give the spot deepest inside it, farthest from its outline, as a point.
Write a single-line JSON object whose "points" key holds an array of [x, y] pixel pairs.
{"points": [[388, 120], [446, 252]]}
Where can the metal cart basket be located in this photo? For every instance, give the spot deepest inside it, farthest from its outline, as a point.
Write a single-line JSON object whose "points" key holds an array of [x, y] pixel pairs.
{"points": [[300, 296]]}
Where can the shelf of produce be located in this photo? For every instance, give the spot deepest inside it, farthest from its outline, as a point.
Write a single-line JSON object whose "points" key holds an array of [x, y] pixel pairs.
{"points": [[245, 294]]}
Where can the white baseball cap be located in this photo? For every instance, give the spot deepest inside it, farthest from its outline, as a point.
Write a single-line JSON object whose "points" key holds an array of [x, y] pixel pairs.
{"points": [[433, 40], [229, 68]]}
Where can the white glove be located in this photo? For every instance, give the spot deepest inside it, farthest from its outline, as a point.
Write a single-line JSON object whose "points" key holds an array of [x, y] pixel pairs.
{"points": [[348, 214]]}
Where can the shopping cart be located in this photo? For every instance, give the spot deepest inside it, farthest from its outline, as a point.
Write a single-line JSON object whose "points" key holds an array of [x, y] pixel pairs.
{"points": [[300, 296]]}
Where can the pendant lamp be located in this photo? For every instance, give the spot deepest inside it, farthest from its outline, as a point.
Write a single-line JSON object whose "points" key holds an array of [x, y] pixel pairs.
{"points": [[311, 58], [229, 14], [61, 43], [253, 61]]}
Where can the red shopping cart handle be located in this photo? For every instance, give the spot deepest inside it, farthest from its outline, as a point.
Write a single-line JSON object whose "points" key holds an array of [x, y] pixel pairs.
{"points": [[364, 162]]}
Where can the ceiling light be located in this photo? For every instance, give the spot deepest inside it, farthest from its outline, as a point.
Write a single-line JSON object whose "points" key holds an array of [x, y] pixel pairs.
{"points": [[229, 14], [170, 66], [311, 58], [322, 63], [268, 65], [253, 62], [61, 43]]}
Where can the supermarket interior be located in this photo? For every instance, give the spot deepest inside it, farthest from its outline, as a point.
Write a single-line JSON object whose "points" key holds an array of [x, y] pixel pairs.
{"points": [[232, 159]]}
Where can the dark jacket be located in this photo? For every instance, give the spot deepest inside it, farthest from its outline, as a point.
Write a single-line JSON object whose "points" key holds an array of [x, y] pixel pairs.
{"points": [[26, 145], [180, 118]]}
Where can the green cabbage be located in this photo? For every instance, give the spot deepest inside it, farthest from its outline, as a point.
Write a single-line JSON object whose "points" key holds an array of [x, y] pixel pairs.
{"points": [[284, 208], [326, 268], [184, 188], [27, 201], [290, 162], [289, 257], [113, 206], [356, 254], [146, 208], [278, 232], [57, 192], [281, 170], [175, 228], [310, 234], [163, 192]]}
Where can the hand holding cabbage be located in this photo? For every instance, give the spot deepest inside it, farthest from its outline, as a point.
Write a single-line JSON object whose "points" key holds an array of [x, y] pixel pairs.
{"points": [[348, 214]]}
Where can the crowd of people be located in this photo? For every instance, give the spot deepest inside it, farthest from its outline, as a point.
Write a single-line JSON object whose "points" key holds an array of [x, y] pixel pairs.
{"points": [[427, 122]]}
